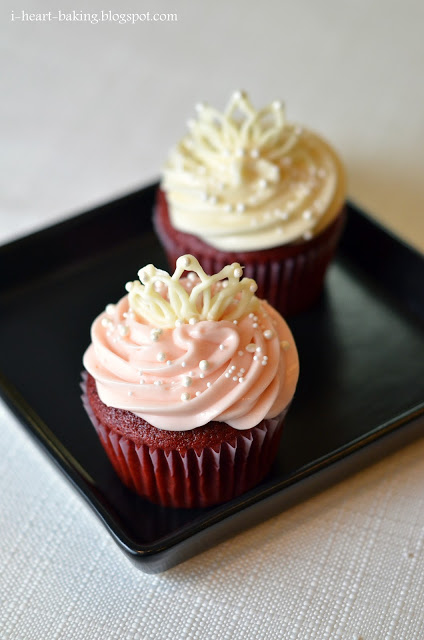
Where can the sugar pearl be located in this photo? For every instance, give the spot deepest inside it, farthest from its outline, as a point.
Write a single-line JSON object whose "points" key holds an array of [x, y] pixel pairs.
{"points": [[123, 330]]}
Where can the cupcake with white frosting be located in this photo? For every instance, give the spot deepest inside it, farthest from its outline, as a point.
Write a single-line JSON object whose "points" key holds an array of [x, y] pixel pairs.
{"points": [[248, 186], [189, 380]]}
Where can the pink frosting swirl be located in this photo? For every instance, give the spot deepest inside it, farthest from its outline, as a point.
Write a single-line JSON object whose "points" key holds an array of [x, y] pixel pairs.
{"points": [[181, 378]]}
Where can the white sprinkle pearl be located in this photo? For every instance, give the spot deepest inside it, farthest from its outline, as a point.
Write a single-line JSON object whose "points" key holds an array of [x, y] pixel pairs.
{"points": [[222, 347], [129, 286], [192, 321], [185, 396], [197, 394], [254, 153], [161, 356], [130, 393], [141, 381], [240, 353], [201, 375], [184, 363], [253, 287], [240, 207], [106, 322], [187, 381], [255, 358], [307, 214], [203, 365], [178, 322], [192, 276], [241, 379], [158, 383], [235, 378], [258, 349], [268, 334], [227, 375], [154, 334], [169, 362], [235, 321], [263, 183], [238, 272], [255, 325], [110, 309], [123, 330], [209, 384]]}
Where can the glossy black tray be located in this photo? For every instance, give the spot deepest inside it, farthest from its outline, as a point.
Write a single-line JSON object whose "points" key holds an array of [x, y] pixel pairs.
{"points": [[361, 389]]}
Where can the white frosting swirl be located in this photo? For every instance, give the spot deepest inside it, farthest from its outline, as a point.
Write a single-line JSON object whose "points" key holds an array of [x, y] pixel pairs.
{"points": [[247, 179]]}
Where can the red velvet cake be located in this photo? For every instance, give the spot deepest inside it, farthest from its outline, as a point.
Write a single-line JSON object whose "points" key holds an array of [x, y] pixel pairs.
{"points": [[189, 380], [247, 186]]}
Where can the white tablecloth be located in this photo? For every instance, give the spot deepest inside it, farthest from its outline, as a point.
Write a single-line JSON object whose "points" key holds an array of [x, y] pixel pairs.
{"points": [[89, 111]]}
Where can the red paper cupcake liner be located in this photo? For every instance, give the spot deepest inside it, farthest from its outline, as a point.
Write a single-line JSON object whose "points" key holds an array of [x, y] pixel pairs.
{"points": [[193, 478], [290, 277]]}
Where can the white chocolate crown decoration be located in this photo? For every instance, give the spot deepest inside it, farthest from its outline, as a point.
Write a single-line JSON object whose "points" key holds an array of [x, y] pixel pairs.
{"points": [[248, 178], [241, 143], [165, 302]]}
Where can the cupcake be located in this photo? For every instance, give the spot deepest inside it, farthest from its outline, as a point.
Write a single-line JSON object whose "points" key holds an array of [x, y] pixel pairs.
{"points": [[188, 380], [247, 186]]}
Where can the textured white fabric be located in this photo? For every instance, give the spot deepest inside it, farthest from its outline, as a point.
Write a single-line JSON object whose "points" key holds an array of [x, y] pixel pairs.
{"points": [[89, 111], [348, 563]]}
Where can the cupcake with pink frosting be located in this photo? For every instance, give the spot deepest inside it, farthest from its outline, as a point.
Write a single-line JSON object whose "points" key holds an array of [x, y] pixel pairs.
{"points": [[189, 378]]}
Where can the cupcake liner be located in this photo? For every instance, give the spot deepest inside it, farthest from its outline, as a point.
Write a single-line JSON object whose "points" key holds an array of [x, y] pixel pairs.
{"points": [[192, 478], [290, 277]]}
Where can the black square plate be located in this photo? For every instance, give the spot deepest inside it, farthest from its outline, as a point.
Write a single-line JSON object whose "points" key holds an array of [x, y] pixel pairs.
{"points": [[361, 389]]}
